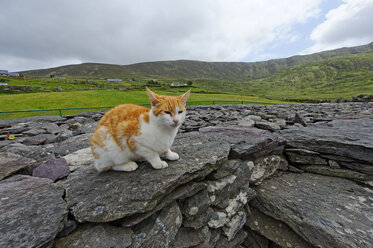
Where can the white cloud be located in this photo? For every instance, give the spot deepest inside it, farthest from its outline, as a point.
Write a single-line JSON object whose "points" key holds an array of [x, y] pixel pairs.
{"points": [[42, 33], [348, 25]]}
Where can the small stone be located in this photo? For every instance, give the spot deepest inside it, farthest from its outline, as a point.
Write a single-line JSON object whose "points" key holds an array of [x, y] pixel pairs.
{"points": [[52, 169], [333, 164]]}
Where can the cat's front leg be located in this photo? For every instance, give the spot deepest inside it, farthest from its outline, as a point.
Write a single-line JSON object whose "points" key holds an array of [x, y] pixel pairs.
{"points": [[170, 155], [153, 158]]}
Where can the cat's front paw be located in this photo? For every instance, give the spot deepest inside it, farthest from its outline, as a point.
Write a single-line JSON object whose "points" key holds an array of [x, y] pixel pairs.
{"points": [[160, 165], [172, 156]]}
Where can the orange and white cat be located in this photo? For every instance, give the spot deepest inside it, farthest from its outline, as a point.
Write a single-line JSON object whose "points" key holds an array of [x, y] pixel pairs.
{"points": [[130, 133]]}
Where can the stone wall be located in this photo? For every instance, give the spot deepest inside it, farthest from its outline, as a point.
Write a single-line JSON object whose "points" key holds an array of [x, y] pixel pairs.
{"points": [[248, 176]]}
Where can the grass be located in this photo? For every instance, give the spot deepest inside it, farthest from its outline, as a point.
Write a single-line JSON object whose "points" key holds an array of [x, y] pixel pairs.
{"points": [[98, 98]]}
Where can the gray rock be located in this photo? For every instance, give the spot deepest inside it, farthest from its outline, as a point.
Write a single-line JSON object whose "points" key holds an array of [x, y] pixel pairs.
{"points": [[227, 168], [254, 240], [325, 211], [300, 119], [71, 145], [52, 169], [196, 205], [69, 227], [302, 156], [180, 193], [247, 143], [333, 164], [246, 122], [113, 195], [345, 173], [97, 236], [274, 230], [266, 125], [346, 138], [10, 163], [263, 168], [234, 225], [224, 243], [190, 237], [160, 230], [79, 158], [32, 211], [228, 187]]}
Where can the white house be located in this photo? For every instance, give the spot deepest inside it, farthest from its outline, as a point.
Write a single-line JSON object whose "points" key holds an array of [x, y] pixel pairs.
{"points": [[3, 84], [114, 80], [3, 72], [177, 84]]}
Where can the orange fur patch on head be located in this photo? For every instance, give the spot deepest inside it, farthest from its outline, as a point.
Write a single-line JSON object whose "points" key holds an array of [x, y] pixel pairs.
{"points": [[168, 103]]}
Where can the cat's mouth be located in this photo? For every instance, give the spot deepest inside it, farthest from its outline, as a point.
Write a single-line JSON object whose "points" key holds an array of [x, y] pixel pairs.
{"points": [[174, 125]]}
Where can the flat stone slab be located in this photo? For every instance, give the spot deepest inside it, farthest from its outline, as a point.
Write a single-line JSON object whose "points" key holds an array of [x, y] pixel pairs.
{"points": [[32, 211], [325, 211], [112, 195], [346, 138], [11, 163], [247, 143]]}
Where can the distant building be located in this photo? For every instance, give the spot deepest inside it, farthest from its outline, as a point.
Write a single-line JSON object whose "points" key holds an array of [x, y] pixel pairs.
{"points": [[3, 84], [177, 84], [114, 80], [13, 74], [6, 73]]}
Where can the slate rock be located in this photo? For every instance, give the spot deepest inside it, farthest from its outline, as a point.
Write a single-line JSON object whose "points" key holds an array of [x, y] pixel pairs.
{"points": [[255, 240], [247, 143], [274, 230], [180, 193], [32, 211], [10, 163], [97, 236], [227, 187], [324, 211], [263, 168], [112, 195], [346, 138], [298, 118], [345, 173], [266, 125], [190, 237], [79, 158], [160, 230], [224, 243], [71, 145], [52, 169], [302, 156], [196, 204]]}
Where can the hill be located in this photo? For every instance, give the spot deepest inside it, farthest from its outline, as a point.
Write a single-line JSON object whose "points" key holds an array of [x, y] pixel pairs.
{"points": [[187, 69]]}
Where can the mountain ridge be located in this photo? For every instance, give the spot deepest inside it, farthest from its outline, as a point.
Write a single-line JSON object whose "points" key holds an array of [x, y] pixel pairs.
{"points": [[193, 69]]}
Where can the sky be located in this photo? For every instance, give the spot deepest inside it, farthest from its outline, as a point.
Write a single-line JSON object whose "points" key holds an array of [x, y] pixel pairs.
{"points": [[48, 33]]}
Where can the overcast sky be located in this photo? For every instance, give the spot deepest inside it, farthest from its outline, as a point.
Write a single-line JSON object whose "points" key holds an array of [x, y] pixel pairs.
{"points": [[47, 33]]}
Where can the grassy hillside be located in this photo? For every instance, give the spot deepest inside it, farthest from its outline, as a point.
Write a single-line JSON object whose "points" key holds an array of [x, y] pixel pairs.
{"points": [[185, 69], [328, 75]]}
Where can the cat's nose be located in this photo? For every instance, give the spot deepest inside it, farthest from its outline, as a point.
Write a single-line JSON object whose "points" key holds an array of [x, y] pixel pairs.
{"points": [[176, 121]]}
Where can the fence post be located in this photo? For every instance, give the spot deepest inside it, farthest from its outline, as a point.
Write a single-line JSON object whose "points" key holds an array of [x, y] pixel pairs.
{"points": [[213, 102], [60, 110]]}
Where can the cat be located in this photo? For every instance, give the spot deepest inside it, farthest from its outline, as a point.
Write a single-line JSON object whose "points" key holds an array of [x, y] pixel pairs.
{"points": [[129, 133]]}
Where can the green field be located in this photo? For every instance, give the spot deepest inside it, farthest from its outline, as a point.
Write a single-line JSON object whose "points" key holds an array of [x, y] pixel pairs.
{"points": [[98, 98]]}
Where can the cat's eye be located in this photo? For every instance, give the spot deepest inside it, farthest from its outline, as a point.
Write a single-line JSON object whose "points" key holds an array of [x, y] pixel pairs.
{"points": [[180, 112], [167, 112]]}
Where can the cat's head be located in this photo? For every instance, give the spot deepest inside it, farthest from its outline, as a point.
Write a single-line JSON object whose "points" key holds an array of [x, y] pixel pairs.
{"points": [[168, 110]]}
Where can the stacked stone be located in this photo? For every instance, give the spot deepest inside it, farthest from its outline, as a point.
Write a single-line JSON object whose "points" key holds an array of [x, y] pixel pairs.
{"points": [[249, 176]]}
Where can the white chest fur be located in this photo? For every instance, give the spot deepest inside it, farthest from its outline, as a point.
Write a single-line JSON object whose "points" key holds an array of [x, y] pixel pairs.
{"points": [[155, 135]]}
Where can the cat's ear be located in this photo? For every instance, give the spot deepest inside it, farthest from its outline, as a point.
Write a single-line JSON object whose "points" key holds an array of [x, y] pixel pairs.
{"points": [[153, 97], [184, 97]]}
